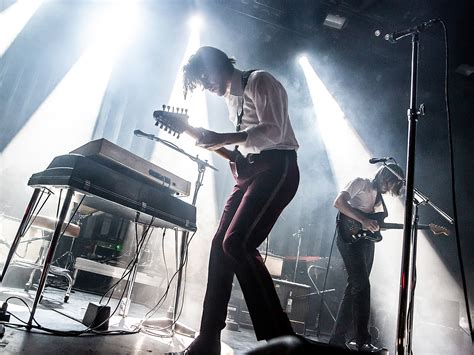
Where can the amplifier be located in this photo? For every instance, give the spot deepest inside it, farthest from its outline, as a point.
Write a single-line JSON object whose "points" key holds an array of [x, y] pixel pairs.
{"points": [[274, 264], [294, 301]]}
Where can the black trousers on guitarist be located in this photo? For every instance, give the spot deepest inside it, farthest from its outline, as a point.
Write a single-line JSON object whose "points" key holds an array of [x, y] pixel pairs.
{"points": [[355, 306]]}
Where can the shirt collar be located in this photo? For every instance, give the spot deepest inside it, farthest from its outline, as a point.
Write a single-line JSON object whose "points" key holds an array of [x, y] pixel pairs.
{"points": [[236, 83]]}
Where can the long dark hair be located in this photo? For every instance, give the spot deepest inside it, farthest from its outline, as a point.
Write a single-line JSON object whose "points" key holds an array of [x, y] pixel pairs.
{"points": [[384, 174], [205, 60]]}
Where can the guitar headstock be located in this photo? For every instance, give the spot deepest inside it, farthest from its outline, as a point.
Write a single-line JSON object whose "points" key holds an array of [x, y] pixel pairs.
{"points": [[174, 120], [436, 229]]}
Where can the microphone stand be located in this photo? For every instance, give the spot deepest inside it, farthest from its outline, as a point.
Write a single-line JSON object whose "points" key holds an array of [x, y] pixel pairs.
{"points": [[407, 274], [171, 322], [299, 235]]}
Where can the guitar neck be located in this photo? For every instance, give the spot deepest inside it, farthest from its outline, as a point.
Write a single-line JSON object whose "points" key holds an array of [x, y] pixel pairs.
{"points": [[223, 152], [400, 226]]}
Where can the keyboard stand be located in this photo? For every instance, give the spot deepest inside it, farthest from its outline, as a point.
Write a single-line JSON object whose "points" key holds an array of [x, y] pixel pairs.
{"points": [[26, 222]]}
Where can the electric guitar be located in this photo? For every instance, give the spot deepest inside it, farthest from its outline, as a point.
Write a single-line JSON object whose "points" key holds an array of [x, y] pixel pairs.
{"points": [[175, 121], [351, 230]]}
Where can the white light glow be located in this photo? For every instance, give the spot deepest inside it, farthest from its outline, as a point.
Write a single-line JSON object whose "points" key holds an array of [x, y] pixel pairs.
{"points": [[207, 216], [347, 153], [348, 158], [302, 59], [66, 118], [195, 22], [14, 19], [197, 111]]}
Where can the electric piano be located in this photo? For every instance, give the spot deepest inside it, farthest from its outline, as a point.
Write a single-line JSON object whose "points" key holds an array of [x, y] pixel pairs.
{"points": [[118, 182], [113, 180]]}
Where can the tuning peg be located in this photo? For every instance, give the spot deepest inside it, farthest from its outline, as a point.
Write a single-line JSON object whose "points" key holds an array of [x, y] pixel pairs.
{"points": [[186, 111], [168, 107], [177, 136], [163, 107]]}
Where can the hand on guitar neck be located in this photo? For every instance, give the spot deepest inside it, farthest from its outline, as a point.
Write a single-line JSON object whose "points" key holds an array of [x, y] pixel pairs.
{"points": [[175, 121], [212, 140]]}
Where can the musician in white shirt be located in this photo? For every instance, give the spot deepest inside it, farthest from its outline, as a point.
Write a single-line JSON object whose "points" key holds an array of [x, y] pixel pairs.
{"points": [[357, 199], [266, 179]]}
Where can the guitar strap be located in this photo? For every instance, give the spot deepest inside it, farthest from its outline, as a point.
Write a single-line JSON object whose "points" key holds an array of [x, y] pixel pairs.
{"points": [[245, 79], [378, 199]]}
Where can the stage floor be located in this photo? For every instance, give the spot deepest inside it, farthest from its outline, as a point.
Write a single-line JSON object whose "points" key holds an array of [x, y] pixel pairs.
{"points": [[54, 314]]}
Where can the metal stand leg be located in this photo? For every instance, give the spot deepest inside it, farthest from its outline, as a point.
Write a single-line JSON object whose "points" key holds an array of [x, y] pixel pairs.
{"points": [[21, 230], [179, 327], [49, 256], [128, 298]]}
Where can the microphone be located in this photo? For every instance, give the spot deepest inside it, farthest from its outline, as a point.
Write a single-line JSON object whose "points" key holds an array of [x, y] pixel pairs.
{"points": [[379, 160], [395, 36], [139, 133]]}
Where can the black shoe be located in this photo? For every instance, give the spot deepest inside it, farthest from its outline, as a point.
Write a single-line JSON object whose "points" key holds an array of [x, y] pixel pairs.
{"points": [[204, 346], [369, 348], [338, 342]]}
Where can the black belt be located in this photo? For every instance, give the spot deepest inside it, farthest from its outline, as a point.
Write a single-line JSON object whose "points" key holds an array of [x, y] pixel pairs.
{"points": [[269, 154]]}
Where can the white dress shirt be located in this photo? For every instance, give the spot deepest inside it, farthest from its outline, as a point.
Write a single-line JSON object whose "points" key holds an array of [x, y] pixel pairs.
{"points": [[265, 118]]}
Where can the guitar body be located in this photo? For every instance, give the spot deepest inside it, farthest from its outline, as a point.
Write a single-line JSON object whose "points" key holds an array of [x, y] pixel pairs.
{"points": [[351, 230]]}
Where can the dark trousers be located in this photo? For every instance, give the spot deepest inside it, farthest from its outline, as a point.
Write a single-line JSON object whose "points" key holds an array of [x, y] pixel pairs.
{"points": [[354, 311], [261, 193]]}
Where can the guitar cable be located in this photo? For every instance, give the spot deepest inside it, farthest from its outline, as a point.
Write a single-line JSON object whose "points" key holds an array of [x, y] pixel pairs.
{"points": [[318, 330], [453, 183]]}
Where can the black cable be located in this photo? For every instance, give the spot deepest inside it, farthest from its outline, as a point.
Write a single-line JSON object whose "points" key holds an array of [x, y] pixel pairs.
{"points": [[23, 301], [164, 255], [185, 276], [134, 263], [129, 267], [325, 279], [159, 303], [453, 182], [68, 223], [29, 221]]}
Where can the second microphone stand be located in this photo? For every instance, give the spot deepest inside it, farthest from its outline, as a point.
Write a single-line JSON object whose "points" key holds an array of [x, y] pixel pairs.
{"points": [[171, 322]]}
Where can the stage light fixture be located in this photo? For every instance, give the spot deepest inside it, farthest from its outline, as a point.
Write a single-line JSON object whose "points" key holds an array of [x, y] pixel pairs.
{"points": [[302, 58], [465, 69], [334, 21], [195, 22]]}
